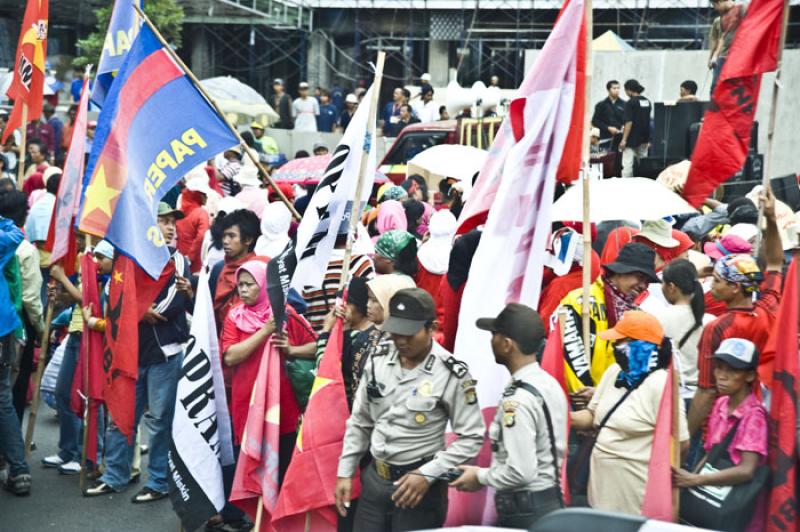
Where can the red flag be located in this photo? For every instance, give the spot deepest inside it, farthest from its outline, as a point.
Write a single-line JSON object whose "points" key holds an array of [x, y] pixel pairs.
{"points": [[61, 236], [256, 479], [724, 139], [131, 293], [27, 87], [782, 507], [570, 166], [310, 482], [553, 363], [657, 503]]}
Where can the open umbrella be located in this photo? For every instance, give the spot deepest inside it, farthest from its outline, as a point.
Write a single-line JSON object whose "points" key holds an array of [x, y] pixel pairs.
{"points": [[241, 103], [622, 198], [309, 171], [449, 160]]}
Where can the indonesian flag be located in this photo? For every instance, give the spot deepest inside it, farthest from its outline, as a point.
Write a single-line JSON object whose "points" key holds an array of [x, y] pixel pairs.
{"points": [[520, 177], [27, 86], [256, 479], [725, 136], [658, 502], [61, 236], [782, 507], [131, 293], [307, 497]]}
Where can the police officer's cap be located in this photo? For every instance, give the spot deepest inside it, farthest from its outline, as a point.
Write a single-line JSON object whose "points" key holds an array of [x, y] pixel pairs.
{"points": [[518, 322], [409, 310]]}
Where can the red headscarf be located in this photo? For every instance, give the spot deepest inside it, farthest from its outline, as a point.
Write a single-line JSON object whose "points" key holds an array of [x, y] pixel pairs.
{"points": [[191, 200], [34, 182], [615, 241], [686, 244], [558, 287]]}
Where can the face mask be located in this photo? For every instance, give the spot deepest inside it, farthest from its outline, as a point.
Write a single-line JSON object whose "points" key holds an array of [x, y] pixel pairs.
{"points": [[621, 350]]}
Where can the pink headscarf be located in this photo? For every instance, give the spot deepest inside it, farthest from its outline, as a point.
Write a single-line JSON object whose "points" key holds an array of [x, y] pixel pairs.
{"points": [[425, 221], [391, 215], [250, 318]]}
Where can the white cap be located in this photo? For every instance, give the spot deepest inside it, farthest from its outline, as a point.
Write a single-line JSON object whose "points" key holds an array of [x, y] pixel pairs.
{"points": [[425, 77], [351, 98], [303, 85], [197, 180], [248, 176]]}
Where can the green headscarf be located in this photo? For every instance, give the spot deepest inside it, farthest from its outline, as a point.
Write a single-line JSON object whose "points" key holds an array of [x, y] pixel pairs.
{"points": [[391, 243]]}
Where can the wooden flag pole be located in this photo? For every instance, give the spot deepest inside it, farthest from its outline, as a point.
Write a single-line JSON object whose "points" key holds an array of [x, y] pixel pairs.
{"points": [[87, 244], [216, 107], [773, 114], [675, 444], [37, 377], [259, 513], [587, 231], [22, 148], [368, 142]]}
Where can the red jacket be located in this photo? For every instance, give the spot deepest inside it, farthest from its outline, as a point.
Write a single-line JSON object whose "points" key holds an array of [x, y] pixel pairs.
{"points": [[192, 228]]}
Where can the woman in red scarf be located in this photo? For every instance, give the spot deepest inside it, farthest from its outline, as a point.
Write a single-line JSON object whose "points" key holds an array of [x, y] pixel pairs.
{"points": [[245, 332]]}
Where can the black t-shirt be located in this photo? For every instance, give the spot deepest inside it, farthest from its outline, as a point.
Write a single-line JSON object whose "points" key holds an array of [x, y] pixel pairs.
{"points": [[637, 111]]}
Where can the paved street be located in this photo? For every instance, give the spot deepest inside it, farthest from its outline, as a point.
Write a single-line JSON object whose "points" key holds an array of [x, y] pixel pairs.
{"points": [[56, 503]]}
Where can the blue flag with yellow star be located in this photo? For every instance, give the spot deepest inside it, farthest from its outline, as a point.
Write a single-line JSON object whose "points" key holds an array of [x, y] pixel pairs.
{"points": [[122, 30], [154, 127]]}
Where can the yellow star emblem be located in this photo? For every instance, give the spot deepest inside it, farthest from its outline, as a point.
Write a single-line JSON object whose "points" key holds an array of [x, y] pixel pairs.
{"points": [[32, 37], [99, 195], [117, 276]]}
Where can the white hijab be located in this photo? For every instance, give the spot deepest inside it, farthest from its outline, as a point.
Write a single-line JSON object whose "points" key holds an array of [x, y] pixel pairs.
{"points": [[275, 222], [434, 255]]}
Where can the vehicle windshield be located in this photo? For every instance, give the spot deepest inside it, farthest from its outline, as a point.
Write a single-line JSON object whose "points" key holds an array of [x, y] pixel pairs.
{"points": [[406, 147]]}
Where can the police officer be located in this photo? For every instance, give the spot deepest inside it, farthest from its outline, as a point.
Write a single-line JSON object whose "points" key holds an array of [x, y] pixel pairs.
{"points": [[528, 433], [407, 395]]}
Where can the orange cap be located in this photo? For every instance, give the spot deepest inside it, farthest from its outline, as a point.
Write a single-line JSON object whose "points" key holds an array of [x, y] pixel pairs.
{"points": [[636, 325]]}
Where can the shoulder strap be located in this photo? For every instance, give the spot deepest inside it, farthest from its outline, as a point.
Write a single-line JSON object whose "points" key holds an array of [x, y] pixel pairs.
{"points": [[530, 389], [614, 408]]}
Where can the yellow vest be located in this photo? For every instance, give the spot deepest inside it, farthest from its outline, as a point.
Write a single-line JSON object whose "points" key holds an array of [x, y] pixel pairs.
{"points": [[579, 370]]}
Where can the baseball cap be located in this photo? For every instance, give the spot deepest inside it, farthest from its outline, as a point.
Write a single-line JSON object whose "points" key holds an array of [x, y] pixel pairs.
{"points": [[303, 85], [409, 310], [277, 81], [105, 249], [636, 325], [425, 77], [256, 125], [520, 323], [738, 353], [164, 209], [351, 98]]}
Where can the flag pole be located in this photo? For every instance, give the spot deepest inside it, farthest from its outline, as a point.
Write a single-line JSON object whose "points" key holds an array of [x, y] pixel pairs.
{"points": [[587, 232], [22, 148], [773, 113], [216, 107], [259, 513], [37, 377], [87, 244], [368, 141], [675, 447]]}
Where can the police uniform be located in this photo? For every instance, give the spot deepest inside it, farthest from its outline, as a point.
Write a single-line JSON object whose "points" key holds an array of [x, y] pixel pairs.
{"points": [[400, 416]]}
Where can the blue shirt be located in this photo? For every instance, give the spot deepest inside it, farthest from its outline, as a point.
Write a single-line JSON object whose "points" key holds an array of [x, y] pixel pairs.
{"points": [[10, 238], [326, 118]]}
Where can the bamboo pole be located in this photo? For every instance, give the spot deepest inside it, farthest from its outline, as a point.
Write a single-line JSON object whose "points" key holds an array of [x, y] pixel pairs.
{"points": [[88, 405], [259, 514], [356, 206], [773, 114], [585, 174], [37, 377], [216, 107], [675, 444], [23, 148]]}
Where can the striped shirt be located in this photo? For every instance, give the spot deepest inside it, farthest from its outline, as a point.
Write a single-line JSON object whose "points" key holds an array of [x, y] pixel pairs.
{"points": [[321, 301]]}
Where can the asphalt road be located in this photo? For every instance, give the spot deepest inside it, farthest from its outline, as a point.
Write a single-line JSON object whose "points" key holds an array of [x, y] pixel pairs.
{"points": [[56, 503]]}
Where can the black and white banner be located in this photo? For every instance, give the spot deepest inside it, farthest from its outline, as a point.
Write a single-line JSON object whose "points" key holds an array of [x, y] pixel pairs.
{"points": [[329, 206], [201, 428]]}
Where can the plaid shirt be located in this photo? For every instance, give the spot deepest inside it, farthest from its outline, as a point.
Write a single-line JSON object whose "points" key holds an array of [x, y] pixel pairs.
{"points": [[753, 324]]}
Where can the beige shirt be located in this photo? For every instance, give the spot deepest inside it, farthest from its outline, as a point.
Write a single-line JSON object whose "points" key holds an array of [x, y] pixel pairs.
{"points": [[28, 257], [408, 423], [522, 458]]}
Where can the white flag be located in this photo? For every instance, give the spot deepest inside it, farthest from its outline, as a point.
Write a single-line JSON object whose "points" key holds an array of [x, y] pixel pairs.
{"points": [[508, 263], [201, 428], [328, 211]]}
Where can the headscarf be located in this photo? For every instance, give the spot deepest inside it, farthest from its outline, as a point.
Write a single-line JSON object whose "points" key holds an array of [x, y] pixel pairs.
{"points": [[642, 359], [393, 193], [391, 243], [357, 294], [191, 200], [616, 240], [391, 215], [34, 182], [461, 256], [386, 286], [684, 245], [225, 295], [414, 211], [425, 221], [740, 269], [434, 254], [250, 318], [275, 223]]}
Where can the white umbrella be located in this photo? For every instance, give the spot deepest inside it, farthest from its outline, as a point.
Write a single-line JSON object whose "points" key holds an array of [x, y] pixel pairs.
{"points": [[623, 198], [448, 160], [239, 102]]}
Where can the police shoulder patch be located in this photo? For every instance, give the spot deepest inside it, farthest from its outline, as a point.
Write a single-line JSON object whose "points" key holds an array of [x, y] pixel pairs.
{"points": [[429, 362], [458, 368]]}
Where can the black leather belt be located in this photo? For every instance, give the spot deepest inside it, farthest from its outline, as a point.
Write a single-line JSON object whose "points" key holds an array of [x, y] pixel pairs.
{"points": [[515, 502], [391, 472]]}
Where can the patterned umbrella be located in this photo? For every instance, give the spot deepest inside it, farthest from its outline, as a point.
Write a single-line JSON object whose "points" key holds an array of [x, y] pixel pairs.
{"points": [[309, 171]]}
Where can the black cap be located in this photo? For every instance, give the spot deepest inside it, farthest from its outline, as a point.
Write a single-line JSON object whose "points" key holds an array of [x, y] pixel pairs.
{"points": [[520, 323], [635, 257], [409, 310]]}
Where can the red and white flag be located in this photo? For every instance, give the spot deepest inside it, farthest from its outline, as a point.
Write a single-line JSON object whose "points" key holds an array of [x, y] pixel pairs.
{"points": [[658, 501], [61, 237], [516, 187]]}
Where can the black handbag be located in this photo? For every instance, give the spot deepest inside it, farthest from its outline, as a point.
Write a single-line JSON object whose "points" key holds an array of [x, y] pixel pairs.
{"points": [[727, 508]]}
